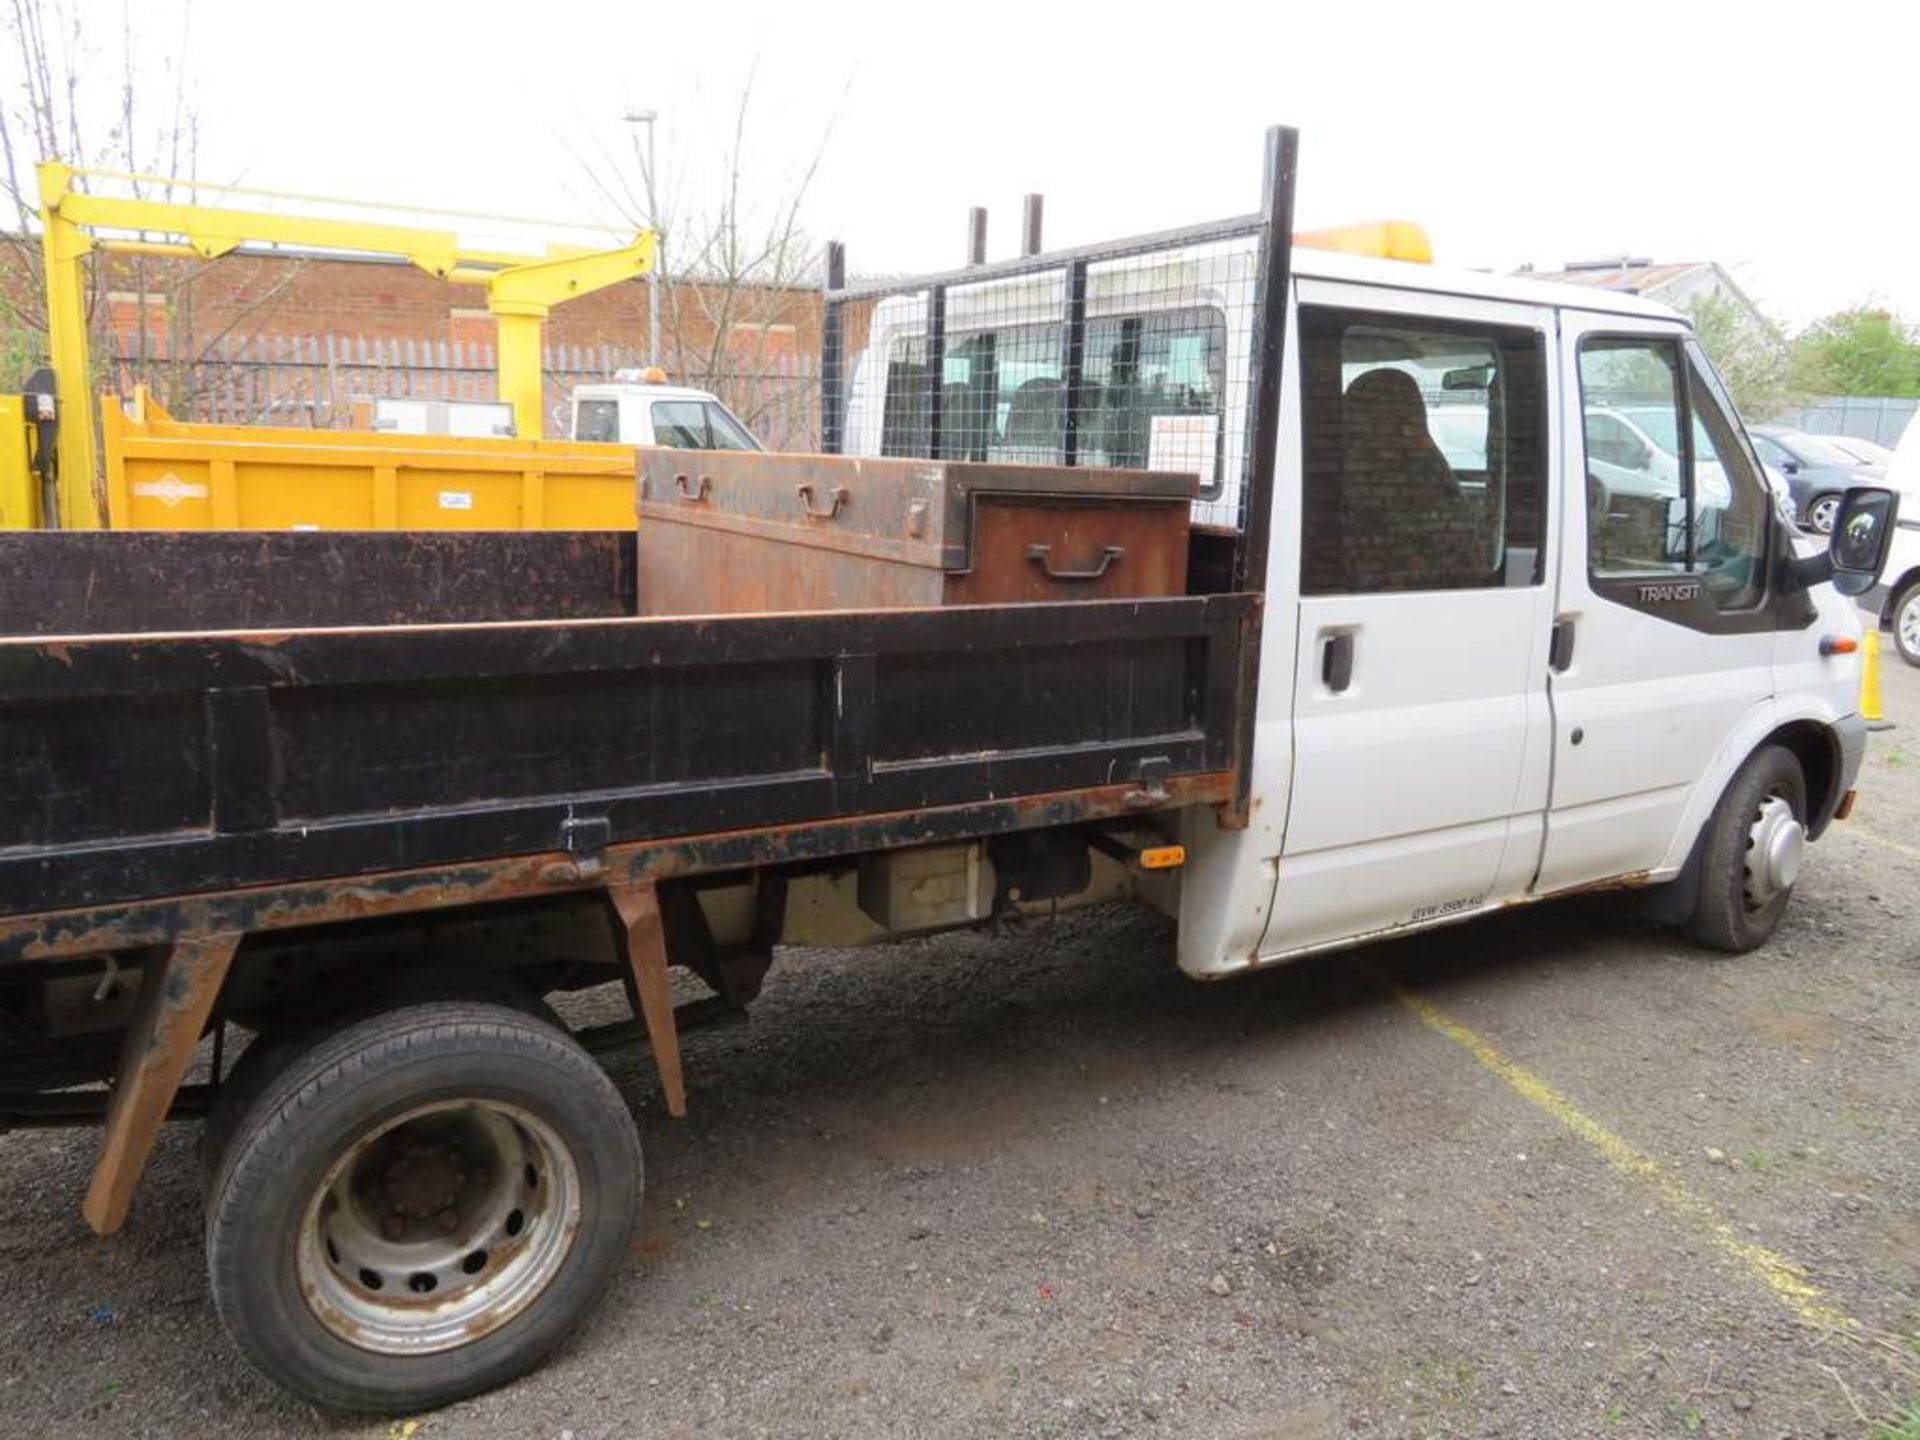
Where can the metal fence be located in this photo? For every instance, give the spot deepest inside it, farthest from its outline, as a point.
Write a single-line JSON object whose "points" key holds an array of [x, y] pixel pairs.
{"points": [[1147, 353], [318, 381], [1879, 418]]}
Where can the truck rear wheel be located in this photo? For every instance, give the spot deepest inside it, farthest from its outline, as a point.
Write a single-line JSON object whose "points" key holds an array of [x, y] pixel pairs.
{"points": [[421, 1206], [1752, 853]]}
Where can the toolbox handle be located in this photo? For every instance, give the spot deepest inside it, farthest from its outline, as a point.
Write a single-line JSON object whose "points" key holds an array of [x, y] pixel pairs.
{"points": [[840, 496], [1038, 553], [694, 495]]}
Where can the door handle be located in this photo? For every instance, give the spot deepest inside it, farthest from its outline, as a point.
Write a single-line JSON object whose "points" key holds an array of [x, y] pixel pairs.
{"points": [[836, 497], [1336, 661], [1038, 554], [1560, 651]]}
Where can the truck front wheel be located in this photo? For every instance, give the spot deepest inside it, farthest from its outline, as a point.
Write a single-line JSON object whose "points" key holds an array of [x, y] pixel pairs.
{"points": [[1906, 623], [1751, 854], [421, 1206]]}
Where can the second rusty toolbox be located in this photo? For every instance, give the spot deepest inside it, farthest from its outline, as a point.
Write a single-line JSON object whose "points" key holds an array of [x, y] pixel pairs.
{"points": [[725, 532]]}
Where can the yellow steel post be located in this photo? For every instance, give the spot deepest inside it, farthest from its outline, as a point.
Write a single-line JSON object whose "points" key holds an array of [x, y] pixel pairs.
{"points": [[63, 246], [520, 297], [521, 378], [1870, 710], [19, 488]]}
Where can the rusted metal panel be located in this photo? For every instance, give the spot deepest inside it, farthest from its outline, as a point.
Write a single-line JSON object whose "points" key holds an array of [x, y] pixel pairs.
{"points": [[645, 938], [64, 934], [176, 997], [731, 534], [105, 582], [136, 767]]}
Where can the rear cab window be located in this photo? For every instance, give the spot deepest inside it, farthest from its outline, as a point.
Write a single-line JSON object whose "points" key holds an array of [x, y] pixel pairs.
{"points": [[1425, 452], [1151, 394], [596, 419]]}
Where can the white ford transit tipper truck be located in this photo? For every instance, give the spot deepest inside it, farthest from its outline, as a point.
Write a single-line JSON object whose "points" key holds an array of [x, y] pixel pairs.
{"points": [[1442, 644]]}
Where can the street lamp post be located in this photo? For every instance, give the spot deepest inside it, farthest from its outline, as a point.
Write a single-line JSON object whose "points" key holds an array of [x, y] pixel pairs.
{"points": [[648, 119]]}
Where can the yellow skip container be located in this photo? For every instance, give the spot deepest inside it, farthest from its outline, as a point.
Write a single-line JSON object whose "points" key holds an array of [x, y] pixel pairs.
{"points": [[166, 474]]}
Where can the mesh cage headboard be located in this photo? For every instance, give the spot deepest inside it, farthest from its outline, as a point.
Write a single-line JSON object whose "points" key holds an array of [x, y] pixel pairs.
{"points": [[1145, 353]]}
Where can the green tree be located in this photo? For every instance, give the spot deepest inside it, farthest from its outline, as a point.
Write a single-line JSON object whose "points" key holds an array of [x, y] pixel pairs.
{"points": [[1867, 350], [1747, 350]]}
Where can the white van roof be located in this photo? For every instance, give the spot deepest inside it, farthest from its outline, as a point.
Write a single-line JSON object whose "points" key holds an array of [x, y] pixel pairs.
{"points": [[615, 389], [1404, 275]]}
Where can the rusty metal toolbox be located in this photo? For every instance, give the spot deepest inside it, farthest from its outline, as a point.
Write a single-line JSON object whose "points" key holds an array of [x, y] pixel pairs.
{"points": [[727, 532]]}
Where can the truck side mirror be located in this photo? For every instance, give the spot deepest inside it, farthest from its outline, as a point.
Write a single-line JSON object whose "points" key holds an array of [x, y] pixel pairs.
{"points": [[1862, 533], [1854, 557]]}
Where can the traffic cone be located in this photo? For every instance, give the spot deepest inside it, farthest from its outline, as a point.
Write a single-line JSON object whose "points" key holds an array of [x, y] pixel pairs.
{"points": [[1870, 710]]}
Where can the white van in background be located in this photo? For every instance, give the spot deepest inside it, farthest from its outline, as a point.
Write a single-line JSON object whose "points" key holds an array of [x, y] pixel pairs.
{"points": [[1896, 600], [638, 407]]}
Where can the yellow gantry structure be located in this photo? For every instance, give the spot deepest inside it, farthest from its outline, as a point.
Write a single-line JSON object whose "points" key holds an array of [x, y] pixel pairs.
{"points": [[520, 288]]}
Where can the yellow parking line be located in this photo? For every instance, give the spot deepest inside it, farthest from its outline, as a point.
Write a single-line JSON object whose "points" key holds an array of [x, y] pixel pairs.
{"points": [[1910, 851], [1783, 1277]]}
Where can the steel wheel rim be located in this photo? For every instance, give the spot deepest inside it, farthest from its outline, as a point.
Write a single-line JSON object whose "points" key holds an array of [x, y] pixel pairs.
{"points": [[1776, 849], [1821, 513], [438, 1227], [1910, 625]]}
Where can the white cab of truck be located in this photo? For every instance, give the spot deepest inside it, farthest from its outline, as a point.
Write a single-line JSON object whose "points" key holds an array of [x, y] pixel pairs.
{"points": [[638, 407], [1504, 655]]}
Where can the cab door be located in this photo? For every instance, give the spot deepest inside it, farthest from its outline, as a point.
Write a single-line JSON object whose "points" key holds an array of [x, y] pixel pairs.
{"points": [[1665, 625], [1419, 777]]}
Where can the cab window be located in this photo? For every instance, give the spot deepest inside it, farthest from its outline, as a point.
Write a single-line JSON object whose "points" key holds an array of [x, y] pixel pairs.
{"points": [[1656, 505], [1425, 454], [680, 424], [596, 420], [1151, 394], [726, 433]]}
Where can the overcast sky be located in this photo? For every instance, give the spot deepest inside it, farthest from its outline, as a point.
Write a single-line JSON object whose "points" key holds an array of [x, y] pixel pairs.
{"points": [[1776, 140]]}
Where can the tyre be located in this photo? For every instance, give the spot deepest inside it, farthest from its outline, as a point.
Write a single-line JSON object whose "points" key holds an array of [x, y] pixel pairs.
{"points": [[1906, 623], [420, 1205], [268, 1054], [285, 1039], [1751, 853], [1822, 511]]}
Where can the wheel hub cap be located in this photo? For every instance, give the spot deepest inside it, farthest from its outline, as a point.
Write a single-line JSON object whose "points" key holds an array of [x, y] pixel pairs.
{"points": [[1910, 625], [1776, 847], [438, 1227]]}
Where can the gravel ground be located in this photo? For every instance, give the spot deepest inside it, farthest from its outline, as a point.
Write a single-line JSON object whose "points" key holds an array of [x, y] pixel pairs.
{"points": [[1040, 1185]]}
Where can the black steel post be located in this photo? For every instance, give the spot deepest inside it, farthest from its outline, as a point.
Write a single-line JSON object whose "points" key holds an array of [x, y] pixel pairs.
{"points": [[1271, 284], [1269, 347], [832, 383], [936, 364], [1073, 344]]}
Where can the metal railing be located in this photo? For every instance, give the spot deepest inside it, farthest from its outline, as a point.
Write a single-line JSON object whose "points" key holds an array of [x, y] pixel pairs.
{"points": [[318, 381], [1160, 351]]}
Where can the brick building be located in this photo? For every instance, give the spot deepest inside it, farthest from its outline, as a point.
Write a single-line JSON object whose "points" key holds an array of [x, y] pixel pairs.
{"points": [[297, 339]]}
